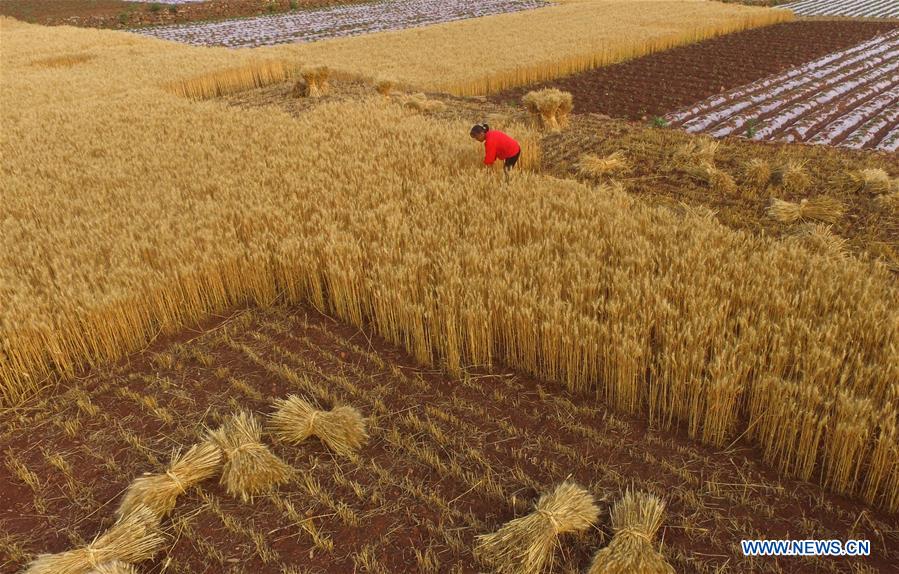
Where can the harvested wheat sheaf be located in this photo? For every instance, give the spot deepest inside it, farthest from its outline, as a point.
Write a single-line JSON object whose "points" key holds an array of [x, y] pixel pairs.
{"points": [[133, 538], [316, 80], [420, 103], [549, 107], [793, 178], [758, 172], [250, 468], [114, 567], [592, 165], [821, 208], [526, 545], [875, 181], [159, 492], [696, 152], [821, 239], [635, 520], [342, 428], [385, 86], [889, 201]]}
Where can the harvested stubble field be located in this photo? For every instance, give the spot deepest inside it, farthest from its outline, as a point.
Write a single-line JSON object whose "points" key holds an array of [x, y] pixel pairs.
{"points": [[661, 83], [447, 459]]}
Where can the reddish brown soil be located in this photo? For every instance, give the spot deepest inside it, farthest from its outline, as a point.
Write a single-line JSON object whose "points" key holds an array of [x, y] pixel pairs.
{"points": [[122, 14], [447, 459], [661, 83]]}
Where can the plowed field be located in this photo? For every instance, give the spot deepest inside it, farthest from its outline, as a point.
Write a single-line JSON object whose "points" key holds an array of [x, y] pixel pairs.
{"points": [[848, 98], [668, 81]]}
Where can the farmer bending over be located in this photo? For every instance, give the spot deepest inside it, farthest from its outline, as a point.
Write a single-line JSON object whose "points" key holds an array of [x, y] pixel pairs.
{"points": [[496, 145]]}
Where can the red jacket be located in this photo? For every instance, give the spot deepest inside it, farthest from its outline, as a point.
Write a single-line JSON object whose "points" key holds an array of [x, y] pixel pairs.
{"points": [[499, 145]]}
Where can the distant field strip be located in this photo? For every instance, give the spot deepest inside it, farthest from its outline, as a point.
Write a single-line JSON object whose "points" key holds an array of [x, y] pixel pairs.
{"points": [[857, 8], [333, 22], [486, 55], [848, 98]]}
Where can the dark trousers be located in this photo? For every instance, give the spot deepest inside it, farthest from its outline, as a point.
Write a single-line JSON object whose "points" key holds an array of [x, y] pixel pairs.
{"points": [[510, 162]]}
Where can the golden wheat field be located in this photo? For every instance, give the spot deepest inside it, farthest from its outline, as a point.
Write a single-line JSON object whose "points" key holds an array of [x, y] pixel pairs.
{"points": [[496, 52], [195, 250]]}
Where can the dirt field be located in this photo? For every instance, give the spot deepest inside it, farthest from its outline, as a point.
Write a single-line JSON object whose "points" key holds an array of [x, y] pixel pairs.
{"points": [[122, 14], [660, 83], [448, 459]]}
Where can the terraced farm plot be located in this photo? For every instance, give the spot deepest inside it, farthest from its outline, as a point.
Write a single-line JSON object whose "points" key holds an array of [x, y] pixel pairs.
{"points": [[850, 8], [350, 20], [848, 98], [447, 459]]}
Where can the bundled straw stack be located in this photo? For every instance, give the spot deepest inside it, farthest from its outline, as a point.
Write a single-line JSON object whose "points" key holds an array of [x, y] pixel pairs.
{"points": [[792, 177], [758, 172], [133, 538], [249, 466], [114, 567], [635, 520], [385, 86], [591, 165], [315, 81], [551, 107], [820, 208], [718, 180], [525, 545], [420, 103], [342, 428], [158, 492], [872, 180]]}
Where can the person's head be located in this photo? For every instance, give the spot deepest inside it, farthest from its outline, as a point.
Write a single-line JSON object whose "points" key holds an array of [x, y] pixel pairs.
{"points": [[479, 132]]}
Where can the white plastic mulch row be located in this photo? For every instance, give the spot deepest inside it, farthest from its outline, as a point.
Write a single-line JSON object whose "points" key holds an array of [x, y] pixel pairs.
{"points": [[332, 22], [848, 98], [856, 8]]}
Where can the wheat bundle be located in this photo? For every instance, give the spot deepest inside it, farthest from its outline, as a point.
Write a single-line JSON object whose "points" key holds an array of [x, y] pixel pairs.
{"points": [[134, 537], [873, 180], [421, 103], [158, 492], [717, 179], [758, 172], [551, 107], [635, 520], [792, 177], [342, 428], [249, 466], [114, 567], [820, 238], [889, 201], [592, 165], [697, 151], [385, 86], [316, 80], [820, 208], [525, 545]]}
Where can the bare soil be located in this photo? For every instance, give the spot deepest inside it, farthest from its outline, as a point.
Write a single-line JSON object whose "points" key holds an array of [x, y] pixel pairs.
{"points": [[657, 84], [448, 459], [120, 14]]}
